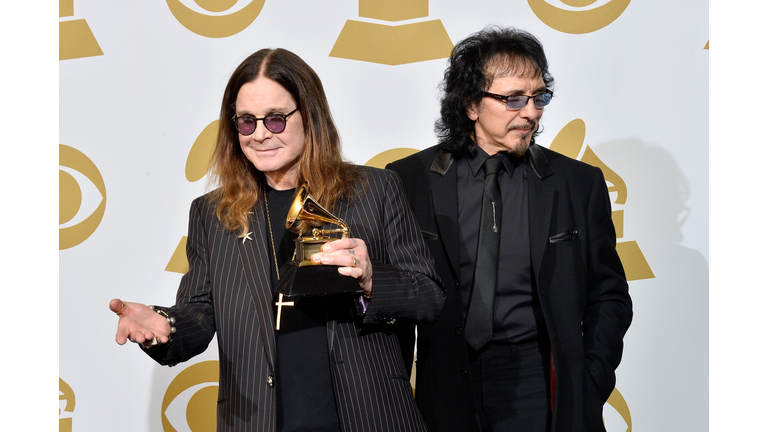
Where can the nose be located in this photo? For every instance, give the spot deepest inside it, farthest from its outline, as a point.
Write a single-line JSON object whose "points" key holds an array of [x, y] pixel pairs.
{"points": [[530, 111], [261, 133]]}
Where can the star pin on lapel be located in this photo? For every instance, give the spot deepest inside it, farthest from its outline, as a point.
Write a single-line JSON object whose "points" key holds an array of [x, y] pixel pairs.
{"points": [[247, 236]]}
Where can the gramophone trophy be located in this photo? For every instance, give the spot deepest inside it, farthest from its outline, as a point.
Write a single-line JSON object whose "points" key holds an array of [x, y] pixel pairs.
{"points": [[303, 276]]}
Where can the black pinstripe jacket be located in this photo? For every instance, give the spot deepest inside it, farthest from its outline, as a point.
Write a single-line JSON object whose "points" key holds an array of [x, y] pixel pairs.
{"points": [[227, 292]]}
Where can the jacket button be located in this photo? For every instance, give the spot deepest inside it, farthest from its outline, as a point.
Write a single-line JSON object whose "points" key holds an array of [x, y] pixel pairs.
{"points": [[458, 330], [270, 380], [456, 285], [464, 373]]}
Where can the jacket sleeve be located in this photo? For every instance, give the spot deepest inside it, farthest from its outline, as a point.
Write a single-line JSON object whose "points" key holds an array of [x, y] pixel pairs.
{"points": [[608, 309], [193, 312], [405, 284]]}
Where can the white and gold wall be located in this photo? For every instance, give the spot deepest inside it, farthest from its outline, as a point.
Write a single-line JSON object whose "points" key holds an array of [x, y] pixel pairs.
{"points": [[140, 85]]}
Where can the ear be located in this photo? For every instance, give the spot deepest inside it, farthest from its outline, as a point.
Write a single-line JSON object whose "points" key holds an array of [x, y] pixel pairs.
{"points": [[473, 111]]}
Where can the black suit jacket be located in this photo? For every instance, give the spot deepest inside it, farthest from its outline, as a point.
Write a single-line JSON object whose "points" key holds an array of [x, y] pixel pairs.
{"points": [[576, 272], [227, 292]]}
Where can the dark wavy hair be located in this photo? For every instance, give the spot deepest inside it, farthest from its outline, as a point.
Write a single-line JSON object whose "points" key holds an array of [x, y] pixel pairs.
{"points": [[472, 67], [321, 165]]}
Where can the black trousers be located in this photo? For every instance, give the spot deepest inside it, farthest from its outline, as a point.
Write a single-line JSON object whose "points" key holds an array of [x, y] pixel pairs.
{"points": [[511, 385]]}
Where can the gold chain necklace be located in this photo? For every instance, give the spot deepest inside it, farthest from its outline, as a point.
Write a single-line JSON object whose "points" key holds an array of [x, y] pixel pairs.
{"points": [[280, 303], [271, 238]]}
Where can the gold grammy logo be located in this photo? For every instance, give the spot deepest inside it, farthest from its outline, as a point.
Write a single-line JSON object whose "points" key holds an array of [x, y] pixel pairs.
{"points": [[578, 19], [569, 141], [616, 400], [195, 169], [211, 21], [67, 395], [393, 44], [75, 37], [82, 197], [382, 159], [189, 403]]}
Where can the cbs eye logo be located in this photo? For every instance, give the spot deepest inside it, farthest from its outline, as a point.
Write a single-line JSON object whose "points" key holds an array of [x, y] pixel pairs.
{"points": [[82, 197], [215, 18], [66, 406], [189, 404], [578, 16]]}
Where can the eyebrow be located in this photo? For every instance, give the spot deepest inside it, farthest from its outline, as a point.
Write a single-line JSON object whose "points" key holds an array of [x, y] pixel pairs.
{"points": [[269, 111], [539, 90]]}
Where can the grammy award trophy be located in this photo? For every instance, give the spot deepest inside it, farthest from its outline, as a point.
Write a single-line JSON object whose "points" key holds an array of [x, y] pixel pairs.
{"points": [[305, 277]]}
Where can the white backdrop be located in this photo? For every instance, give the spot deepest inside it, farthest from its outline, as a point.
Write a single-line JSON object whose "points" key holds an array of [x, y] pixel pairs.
{"points": [[134, 108]]}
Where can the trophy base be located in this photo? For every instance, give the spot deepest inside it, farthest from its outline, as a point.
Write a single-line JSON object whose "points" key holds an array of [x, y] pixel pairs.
{"points": [[305, 248], [316, 280]]}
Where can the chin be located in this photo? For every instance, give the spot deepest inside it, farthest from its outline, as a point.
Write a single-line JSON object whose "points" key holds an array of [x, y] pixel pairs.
{"points": [[519, 150]]}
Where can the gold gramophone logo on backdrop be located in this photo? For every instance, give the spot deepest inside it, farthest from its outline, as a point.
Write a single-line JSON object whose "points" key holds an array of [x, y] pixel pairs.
{"points": [[67, 398], [396, 44], [75, 37], [578, 16], [82, 197], [617, 401], [215, 18], [195, 169], [570, 141], [189, 403]]}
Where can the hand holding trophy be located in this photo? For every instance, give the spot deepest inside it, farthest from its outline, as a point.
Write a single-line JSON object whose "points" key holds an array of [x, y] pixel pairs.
{"points": [[305, 277]]}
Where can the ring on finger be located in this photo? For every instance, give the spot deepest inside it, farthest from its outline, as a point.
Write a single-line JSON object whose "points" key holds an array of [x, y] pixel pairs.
{"points": [[121, 309], [150, 343], [354, 262]]}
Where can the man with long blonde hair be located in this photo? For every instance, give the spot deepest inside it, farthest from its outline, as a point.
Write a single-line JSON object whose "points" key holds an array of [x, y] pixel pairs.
{"points": [[328, 363]]}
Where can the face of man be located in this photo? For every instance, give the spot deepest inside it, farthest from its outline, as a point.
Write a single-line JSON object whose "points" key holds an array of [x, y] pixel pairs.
{"points": [[275, 154], [498, 129]]}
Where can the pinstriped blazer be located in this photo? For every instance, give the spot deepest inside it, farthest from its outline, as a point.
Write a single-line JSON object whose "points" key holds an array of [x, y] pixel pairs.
{"points": [[227, 292]]}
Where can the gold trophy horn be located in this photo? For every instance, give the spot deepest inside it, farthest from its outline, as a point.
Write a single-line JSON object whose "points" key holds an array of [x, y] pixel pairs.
{"points": [[306, 208], [304, 277]]}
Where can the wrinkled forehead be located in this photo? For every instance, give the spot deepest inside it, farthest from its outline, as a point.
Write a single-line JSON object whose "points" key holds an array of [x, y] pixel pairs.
{"points": [[511, 65]]}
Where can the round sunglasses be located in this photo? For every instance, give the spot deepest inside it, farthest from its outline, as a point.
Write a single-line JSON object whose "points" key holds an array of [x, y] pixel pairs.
{"points": [[275, 123]]}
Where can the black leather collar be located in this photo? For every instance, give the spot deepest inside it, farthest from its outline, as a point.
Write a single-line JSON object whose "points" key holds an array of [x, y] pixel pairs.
{"points": [[442, 162], [537, 158], [539, 161]]}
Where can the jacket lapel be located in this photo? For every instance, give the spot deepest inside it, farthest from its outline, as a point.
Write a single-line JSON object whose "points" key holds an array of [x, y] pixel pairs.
{"points": [[445, 203], [541, 198], [254, 259], [346, 213]]}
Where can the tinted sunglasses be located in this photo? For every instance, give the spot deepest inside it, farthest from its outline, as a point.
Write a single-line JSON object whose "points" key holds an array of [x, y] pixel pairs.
{"points": [[275, 123], [518, 102]]}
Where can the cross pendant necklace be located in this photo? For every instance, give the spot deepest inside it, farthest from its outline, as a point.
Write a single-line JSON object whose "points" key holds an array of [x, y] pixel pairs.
{"points": [[280, 303]]}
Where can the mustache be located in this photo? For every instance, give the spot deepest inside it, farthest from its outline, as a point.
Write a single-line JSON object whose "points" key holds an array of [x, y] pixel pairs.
{"points": [[528, 125]]}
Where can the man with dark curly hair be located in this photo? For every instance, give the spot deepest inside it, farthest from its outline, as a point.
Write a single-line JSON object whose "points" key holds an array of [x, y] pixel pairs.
{"points": [[538, 303]]}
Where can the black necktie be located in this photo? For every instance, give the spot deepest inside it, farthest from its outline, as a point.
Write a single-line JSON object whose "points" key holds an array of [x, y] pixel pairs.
{"points": [[479, 325]]}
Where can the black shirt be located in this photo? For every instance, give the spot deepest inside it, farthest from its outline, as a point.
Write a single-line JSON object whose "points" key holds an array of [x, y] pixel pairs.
{"points": [[516, 316], [305, 399]]}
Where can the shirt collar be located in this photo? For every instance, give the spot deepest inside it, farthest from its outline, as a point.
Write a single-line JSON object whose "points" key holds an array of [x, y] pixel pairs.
{"points": [[476, 163]]}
